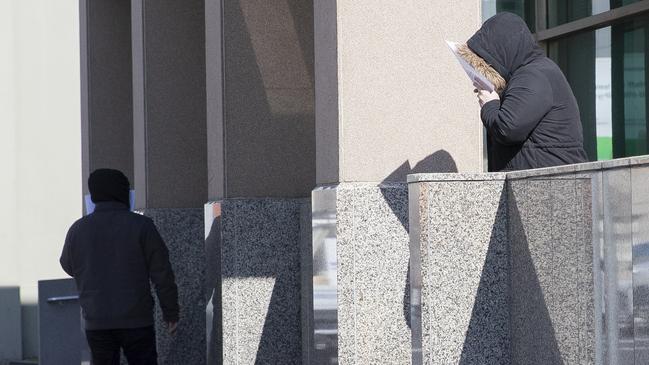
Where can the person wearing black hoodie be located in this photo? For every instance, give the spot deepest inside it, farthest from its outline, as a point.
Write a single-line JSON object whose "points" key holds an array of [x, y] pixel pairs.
{"points": [[534, 121], [113, 255]]}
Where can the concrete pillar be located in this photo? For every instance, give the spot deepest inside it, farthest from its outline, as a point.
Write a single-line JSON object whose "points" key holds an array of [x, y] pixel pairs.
{"points": [[261, 162], [106, 87], [384, 78], [170, 155]]}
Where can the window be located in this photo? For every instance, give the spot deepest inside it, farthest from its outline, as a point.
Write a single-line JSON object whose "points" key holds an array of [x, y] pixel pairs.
{"points": [[601, 46]]}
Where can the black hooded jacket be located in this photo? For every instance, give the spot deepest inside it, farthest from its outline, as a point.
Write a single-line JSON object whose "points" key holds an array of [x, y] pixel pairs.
{"points": [[113, 254], [536, 122]]}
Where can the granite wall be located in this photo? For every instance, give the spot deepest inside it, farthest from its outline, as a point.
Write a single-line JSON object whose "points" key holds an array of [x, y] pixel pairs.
{"points": [[360, 274], [182, 231], [506, 264], [259, 301], [460, 268]]}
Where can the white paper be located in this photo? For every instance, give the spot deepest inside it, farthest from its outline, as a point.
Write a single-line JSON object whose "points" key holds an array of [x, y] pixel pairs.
{"points": [[475, 76]]}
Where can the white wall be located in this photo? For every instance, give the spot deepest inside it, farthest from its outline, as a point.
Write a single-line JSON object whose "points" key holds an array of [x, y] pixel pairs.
{"points": [[40, 141]]}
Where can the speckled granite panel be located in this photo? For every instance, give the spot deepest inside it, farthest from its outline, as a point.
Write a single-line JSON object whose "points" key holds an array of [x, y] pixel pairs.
{"points": [[261, 281], [552, 281], [465, 273], [566, 262], [530, 216], [183, 232], [586, 270], [373, 292], [372, 272], [306, 285], [417, 218]]}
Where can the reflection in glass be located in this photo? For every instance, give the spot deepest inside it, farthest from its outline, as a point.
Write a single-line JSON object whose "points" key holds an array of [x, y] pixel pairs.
{"points": [[563, 11], [526, 9], [325, 273], [606, 69]]}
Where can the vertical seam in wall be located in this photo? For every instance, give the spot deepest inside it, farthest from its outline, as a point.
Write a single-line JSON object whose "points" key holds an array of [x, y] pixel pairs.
{"points": [[85, 90], [632, 242], [224, 172], [510, 256], [576, 223], [339, 97], [355, 285], [145, 120]]}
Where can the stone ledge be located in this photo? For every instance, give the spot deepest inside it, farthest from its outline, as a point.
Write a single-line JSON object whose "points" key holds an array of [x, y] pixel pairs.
{"points": [[523, 174]]}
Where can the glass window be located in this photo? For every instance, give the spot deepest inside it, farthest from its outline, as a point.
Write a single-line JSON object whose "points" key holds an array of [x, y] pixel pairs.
{"points": [[606, 69], [526, 9], [562, 11]]}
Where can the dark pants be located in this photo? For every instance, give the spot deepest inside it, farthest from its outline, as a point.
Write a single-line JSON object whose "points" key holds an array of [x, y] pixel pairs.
{"points": [[138, 345]]}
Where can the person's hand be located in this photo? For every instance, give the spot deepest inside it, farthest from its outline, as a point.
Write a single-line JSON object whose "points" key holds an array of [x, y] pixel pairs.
{"points": [[485, 96], [172, 327]]}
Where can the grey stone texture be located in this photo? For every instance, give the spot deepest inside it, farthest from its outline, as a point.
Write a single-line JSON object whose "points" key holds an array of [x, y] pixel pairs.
{"points": [[106, 86], [464, 272], [260, 273], [169, 111], [267, 100], [182, 230], [371, 225], [552, 313], [11, 328], [506, 269]]}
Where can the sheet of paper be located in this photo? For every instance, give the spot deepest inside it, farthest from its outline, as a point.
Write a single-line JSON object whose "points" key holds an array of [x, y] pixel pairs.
{"points": [[475, 76]]}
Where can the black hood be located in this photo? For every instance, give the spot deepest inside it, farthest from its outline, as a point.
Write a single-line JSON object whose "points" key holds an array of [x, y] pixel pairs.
{"points": [[505, 42], [108, 185]]}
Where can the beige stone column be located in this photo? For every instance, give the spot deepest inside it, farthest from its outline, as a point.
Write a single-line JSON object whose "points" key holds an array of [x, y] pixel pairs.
{"points": [[391, 100]]}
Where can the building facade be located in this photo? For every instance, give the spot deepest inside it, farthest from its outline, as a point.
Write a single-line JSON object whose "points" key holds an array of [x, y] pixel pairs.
{"points": [[271, 142]]}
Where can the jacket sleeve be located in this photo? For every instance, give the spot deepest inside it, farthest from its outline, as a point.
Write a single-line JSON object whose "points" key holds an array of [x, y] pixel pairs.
{"points": [[161, 272], [66, 259], [526, 101]]}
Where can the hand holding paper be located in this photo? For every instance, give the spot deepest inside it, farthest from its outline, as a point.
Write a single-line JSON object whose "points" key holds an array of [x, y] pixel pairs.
{"points": [[478, 79]]}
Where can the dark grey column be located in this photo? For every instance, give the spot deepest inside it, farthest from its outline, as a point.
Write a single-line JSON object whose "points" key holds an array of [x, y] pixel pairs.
{"points": [[169, 103], [106, 86], [170, 153], [261, 162]]}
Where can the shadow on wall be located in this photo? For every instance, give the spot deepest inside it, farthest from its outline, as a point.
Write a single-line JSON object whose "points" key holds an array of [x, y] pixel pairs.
{"points": [[269, 97], [510, 322], [438, 162]]}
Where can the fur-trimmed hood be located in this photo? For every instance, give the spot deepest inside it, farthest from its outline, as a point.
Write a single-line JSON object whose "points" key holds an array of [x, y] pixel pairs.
{"points": [[506, 43], [483, 67]]}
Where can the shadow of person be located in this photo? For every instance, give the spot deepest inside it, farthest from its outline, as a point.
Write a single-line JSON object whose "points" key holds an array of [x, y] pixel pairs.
{"points": [[439, 162]]}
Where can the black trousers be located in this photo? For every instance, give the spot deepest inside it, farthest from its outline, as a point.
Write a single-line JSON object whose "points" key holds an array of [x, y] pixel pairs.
{"points": [[138, 345]]}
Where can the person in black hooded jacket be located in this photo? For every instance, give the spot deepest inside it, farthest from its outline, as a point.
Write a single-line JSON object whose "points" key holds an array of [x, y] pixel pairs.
{"points": [[113, 255], [534, 121]]}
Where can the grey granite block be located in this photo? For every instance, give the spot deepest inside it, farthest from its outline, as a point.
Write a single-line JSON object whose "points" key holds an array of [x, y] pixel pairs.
{"points": [[414, 178], [639, 160], [586, 265], [546, 171], [620, 162], [566, 263], [618, 243], [534, 340], [462, 241], [260, 269], [370, 242], [306, 284], [640, 230], [183, 232]]}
